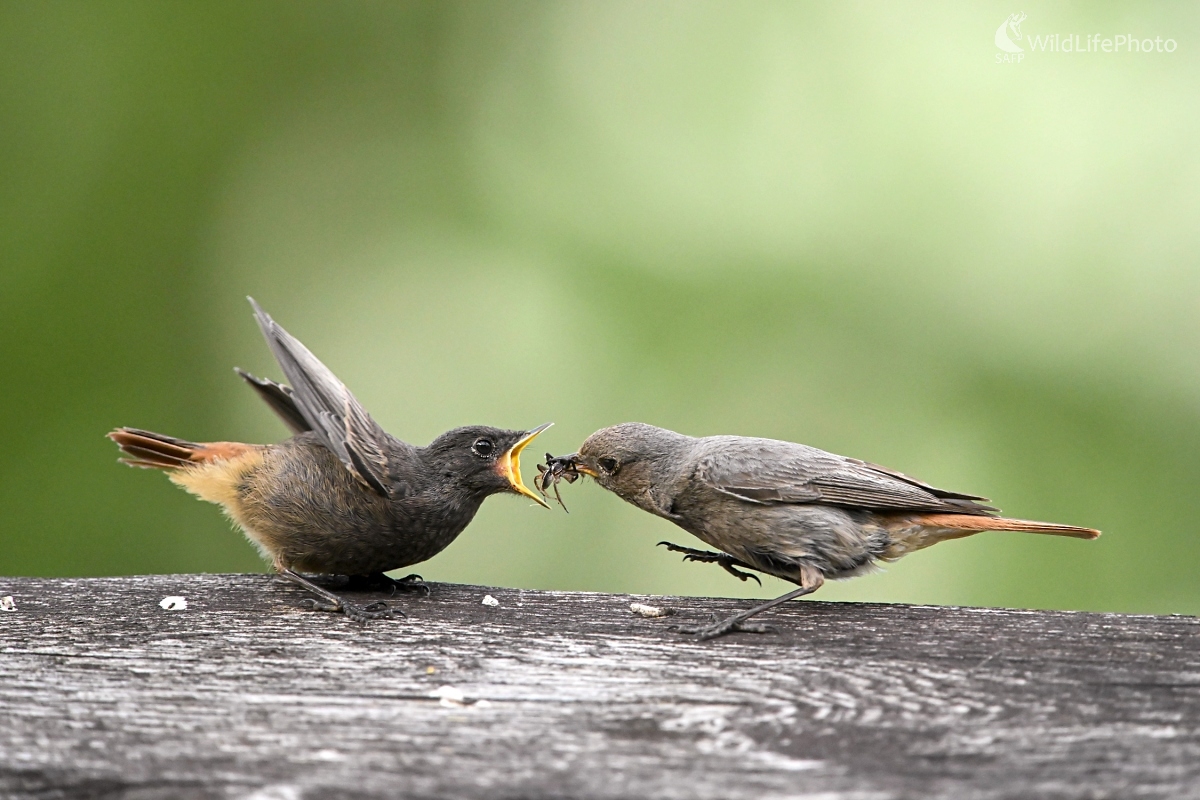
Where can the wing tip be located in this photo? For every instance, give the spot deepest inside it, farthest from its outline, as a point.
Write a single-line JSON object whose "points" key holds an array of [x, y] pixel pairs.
{"points": [[265, 322]]}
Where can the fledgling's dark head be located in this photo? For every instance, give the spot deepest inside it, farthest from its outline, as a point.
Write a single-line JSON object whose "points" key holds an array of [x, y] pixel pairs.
{"points": [[635, 461], [482, 459]]}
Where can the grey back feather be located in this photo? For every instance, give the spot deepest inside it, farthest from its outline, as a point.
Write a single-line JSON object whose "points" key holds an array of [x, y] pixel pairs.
{"points": [[774, 471]]}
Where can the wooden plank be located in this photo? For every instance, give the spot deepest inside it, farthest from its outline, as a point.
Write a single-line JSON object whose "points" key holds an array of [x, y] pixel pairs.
{"points": [[105, 694]]}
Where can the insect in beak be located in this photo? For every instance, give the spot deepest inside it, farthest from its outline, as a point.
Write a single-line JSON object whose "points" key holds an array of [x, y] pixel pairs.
{"points": [[558, 468]]}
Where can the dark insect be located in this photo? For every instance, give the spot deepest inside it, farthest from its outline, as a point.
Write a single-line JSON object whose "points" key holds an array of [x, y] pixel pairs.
{"points": [[556, 468]]}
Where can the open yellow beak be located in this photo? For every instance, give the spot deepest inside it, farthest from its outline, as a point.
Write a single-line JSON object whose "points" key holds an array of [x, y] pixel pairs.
{"points": [[510, 465]]}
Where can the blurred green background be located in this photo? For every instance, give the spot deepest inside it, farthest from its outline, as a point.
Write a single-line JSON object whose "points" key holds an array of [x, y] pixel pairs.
{"points": [[841, 224]]}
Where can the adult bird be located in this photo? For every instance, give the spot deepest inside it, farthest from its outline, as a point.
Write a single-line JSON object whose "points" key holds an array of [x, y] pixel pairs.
{"points": [[342, 495], [781, 508]]}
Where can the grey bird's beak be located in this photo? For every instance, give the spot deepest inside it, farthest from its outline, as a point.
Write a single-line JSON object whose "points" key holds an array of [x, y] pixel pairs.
{"points": [[580, 465]]}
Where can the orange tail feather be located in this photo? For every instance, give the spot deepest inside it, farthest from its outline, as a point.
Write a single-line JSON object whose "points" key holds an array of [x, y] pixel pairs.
{"points": [[969, 524], [157, 451]]}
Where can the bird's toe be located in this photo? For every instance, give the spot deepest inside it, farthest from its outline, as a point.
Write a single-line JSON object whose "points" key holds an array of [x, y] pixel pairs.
{"points": [[364, 614], [413, 583], [313, 604], [376, 610], [717, 628]]}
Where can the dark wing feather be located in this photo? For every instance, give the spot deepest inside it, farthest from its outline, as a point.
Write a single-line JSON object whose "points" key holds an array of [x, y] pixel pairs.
{"points": [[771, 471], [328, 407], [932, 490], [280, 398]]}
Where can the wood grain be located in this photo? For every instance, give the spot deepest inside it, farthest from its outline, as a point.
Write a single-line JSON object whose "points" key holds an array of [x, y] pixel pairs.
{"points": [[105, 694]]}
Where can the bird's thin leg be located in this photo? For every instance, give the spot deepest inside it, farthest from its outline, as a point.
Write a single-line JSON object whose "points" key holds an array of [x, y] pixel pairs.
{"points": [[724, 560], [811, 580], [333, 603]]}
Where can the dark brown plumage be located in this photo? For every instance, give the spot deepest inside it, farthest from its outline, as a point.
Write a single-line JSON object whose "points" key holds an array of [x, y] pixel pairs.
{"points": [[785, 509], [342, 495]]}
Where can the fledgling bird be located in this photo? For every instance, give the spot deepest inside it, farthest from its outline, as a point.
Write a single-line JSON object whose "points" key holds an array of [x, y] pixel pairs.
{"points": [[341, 496], [781, 508]]}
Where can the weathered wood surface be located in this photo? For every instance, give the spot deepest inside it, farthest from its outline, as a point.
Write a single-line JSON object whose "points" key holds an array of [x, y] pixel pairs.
{"points": [[242, 695]]}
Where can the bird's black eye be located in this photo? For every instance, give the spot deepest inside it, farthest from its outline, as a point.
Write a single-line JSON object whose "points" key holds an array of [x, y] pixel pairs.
{"points": [[483, 447], [609, 465]]}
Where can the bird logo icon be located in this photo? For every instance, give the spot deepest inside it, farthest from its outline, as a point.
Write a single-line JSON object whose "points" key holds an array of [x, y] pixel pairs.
{"points": [[1003, 40]]}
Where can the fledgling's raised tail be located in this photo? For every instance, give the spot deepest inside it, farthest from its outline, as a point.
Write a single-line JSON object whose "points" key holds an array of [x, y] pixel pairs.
{"points": [[157, 451], [969, 524]]}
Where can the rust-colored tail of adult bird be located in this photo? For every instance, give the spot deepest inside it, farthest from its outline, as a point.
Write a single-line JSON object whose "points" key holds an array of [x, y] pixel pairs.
{"points": [[158, 451], [969, 524]]}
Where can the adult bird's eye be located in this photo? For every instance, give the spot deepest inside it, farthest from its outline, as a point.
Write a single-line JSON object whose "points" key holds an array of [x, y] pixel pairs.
{"points": [[483, 447], [609, 465]]}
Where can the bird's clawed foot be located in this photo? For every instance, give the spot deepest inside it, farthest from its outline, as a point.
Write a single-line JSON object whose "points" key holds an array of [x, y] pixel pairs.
{"points": [[412, 583], [724, 560], [720, 627], [812, 580], [378, 580], [330, 602], [360, 614]]}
